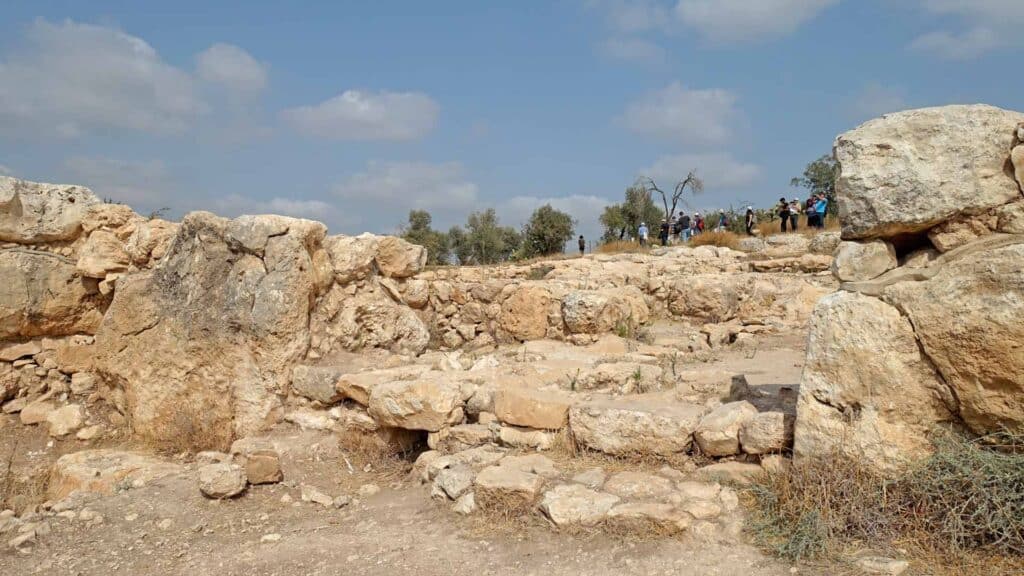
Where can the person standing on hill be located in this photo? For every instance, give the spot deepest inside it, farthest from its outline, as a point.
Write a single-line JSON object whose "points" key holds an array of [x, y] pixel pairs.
{"points": [[794, 213], [820, 209], [782, 209], [664, 232], [809, 210], [684, 226], [750, 221], [583, 245], [642, 234], [698, 224]]}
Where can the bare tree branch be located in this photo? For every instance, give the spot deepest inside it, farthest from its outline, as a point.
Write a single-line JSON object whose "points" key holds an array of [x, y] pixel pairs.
{"points": [[692, 181]]}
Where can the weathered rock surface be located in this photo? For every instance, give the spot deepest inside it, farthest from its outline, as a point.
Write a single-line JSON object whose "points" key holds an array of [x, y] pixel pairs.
{"points": [[857, 261], [866, 391], [968, 318], [573, 504], [599, 312], [317, 383], [524, 315], [531, 408], [906, 172], [221, 480], [766, 432], [102, 471], [209, 336], [35, 212], [425, 404], [635, 426], [718, 433], [43, 295]]}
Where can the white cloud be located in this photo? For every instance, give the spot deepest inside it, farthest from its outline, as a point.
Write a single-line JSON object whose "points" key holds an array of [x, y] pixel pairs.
{"points": [[986, 25], [743, 21], [634, 16], [384, 193], [633, 49], [145, 185], [70, 77], [358, 115], [232, 67], [717, 170], [691, 117], [876, 99]]}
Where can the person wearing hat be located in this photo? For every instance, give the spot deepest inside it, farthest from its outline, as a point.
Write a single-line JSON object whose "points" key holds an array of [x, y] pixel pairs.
{"points": [[794, 213], [750, 220], [642, 234]]}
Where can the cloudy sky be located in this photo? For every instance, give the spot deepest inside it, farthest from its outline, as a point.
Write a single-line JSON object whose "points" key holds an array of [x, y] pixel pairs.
{"points": [[354, 112]]}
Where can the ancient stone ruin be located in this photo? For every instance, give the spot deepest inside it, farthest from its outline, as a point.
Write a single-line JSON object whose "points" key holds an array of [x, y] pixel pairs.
{"points": [[222, 339]]}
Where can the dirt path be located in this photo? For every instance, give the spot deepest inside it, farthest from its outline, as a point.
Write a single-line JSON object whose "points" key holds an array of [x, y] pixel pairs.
{"points": [[168, 528]]}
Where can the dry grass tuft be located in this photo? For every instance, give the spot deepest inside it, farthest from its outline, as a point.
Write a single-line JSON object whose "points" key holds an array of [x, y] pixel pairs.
{"points": [[22, 491], [621, 246], [724, 239], [390, 459], [960, 510], [188, 428]]}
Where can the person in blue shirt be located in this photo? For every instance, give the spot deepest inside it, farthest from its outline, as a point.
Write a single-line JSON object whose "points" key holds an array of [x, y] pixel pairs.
{"points": [[820, 208], [642, 234]]}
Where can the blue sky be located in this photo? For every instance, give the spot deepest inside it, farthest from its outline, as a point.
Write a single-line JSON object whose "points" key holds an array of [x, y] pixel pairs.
{"points": [[354, 112]]}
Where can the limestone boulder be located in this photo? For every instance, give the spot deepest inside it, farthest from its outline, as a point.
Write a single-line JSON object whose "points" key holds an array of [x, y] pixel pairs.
{"points": [[824, 243], [221, 480], [968, 318], [866, 391], [207, 339], [573, 504], [102, 471], [357, 386], [906, 172], [639, 425], [429, 403], [508, 485], [766, 432], [857, 261], [43, 295], [317, 383], [531, 408], [713, 298], [352, 257], [65, 420], [598, 312], [397, 258], [524, 315], [149, 241], [718, 433], [102, 253], [35, 212]]}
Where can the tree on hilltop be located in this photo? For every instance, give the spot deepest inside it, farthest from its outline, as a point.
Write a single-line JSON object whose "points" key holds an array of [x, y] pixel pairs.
{"points": [[418, 231], [546, 232], [820, 177]]}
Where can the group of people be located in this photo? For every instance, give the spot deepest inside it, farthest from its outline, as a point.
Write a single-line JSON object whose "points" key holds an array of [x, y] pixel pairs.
{"points": [[815, 208], [687, 226], [682, 228]]}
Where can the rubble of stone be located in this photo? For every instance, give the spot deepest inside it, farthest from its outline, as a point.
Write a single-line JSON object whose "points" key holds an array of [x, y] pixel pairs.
{"points": [[926, 331]]}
